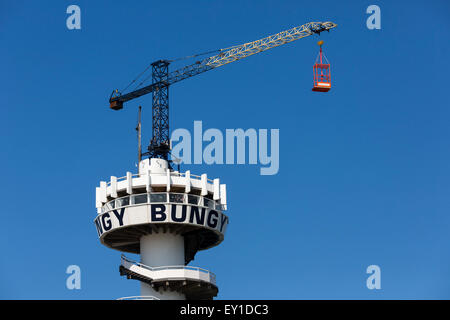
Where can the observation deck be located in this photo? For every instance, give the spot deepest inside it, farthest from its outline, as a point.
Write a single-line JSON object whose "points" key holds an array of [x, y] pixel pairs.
{"points": [[161, 201]]}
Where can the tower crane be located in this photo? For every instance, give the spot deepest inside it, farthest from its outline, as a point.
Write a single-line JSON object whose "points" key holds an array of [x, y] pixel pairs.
{"points": [[161, 79]]}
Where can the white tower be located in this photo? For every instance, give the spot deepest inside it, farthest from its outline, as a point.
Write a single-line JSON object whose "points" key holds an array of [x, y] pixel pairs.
{"points": [[166, 217]]}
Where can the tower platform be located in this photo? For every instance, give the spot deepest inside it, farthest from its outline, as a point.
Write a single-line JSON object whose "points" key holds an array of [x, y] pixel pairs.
{"points": [[195, 283]]}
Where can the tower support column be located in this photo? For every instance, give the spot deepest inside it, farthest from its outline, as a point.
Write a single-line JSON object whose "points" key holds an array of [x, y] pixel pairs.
{"points": [[160, 250]]}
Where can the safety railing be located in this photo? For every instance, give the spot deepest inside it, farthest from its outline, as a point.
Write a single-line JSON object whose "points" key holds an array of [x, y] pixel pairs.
{"points": [[173, 174], [162, 197], [139, 298], [125, 261]]}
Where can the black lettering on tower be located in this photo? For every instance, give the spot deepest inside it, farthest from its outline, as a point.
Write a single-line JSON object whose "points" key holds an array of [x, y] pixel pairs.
{"points": [[223, 220], [120, 215], [158, 212], [107, 225], [98, 225], [199, 217], [173, 213], [213, 222]]}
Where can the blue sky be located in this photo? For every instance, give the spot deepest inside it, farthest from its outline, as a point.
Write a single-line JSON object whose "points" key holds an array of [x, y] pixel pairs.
{"points": [[363, 169]]}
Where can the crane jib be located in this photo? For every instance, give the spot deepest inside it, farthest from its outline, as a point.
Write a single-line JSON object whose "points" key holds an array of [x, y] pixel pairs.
{"points": [[226, 56]]}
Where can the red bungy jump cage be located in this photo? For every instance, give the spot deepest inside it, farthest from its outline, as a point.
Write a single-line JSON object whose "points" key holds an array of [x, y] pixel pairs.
{"points": [[321, 69]]}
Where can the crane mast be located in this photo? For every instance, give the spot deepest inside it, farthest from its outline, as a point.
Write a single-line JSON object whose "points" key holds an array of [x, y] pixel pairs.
{"points": [[161, 79]]}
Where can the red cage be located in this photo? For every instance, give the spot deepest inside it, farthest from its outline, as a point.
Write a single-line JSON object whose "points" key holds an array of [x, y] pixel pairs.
{"points": [[321, 69]]}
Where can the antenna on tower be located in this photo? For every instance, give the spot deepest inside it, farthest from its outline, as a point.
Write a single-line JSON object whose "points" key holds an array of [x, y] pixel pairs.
{"points": [[138, 129], [177, 161]]}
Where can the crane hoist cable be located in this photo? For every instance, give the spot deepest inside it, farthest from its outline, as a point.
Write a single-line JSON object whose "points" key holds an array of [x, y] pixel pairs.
{"points": [[171, 60], [134, 80]]}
